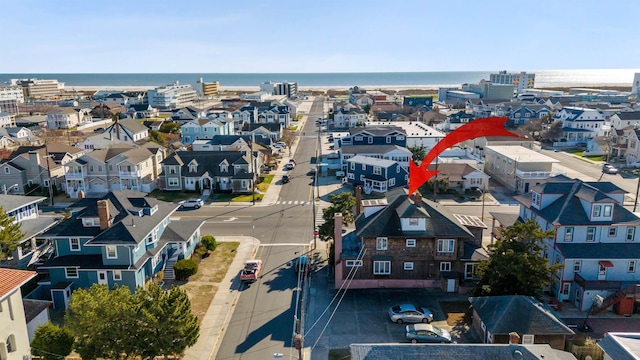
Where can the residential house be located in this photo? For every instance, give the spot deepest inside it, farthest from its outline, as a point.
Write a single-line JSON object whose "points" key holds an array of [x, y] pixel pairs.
{"points": [[187, 114], [518, 168], [13, 136], [24, 211], [462, 176], [497, 318], [374, 174], [413, 103], [107, 110], [205, 129], [98, 142], [122, 238], [374, 135], [396, 153], [456, 351], [273, 113], [116, 168], [455, 120], [14, 336], [37, 165], [523, 113], [384, 107], [596, 240], [7, 119], [393, 116], [129, 131], [66, 118], [405, 242], [620, 346], [344, 118], [432, 118], [117, 98], [221, 143], [207, 171], [481, 108], [361, 99], [623, 119], [243, 115], [142, 111], [579, 124], [619, 141], [271, 131]]}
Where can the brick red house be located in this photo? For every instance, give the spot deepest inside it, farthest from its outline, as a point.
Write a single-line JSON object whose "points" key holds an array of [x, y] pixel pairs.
{"points": [[406, 242]]}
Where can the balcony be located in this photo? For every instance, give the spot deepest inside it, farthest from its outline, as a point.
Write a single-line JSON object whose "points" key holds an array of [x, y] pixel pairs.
{"points": [[602, 285], [130, 174], [75, 175], [535, 174]]}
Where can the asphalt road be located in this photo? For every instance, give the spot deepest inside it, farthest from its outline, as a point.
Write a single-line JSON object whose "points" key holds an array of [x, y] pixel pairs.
{"points": [[263, 321]]}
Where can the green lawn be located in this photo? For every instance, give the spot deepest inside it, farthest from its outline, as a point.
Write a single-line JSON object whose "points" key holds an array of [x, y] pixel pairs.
{"points": [[235, 198], [264, 185], [172, 196]]}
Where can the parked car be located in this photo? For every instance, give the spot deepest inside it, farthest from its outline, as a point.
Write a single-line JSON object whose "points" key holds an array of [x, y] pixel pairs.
{"points": [[292, 160], [609, 169], [426, 333], [410, 313], [289, 166], [281, 144], [191, 203], [313, 171], [285, 178], [251, 270]]}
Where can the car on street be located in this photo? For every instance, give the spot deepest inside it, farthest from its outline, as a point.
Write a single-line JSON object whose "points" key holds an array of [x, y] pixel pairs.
{"points": [[191, 203], [292, 160], [285, 178], [410, 313], [609, 169], [251, 270], [313, 171], [426, 333], [289, 166]]}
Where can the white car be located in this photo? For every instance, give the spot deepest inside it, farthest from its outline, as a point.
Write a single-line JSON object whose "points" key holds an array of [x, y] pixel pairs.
{"points": [[191, 203], [281, 144]]}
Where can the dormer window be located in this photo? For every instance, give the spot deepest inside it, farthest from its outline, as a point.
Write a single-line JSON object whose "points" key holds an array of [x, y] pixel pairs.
{"points": [[535, 199], [193, 168], [224, 168]]}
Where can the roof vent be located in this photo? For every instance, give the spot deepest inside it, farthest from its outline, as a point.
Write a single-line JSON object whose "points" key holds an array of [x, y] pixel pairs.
{"points": [[517, 355]]}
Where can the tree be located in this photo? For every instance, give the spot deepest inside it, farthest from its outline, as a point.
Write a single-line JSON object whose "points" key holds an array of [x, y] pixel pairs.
{"points": [[516, 265], [209, 242], [340, 203], [418, 153], [10, 234], [156, 137], [366, 108], [185, 268], [167, 325], [170, 128], [52, 342], [554, 131]]}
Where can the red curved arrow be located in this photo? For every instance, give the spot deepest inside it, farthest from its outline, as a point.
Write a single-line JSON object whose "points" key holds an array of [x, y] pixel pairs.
{"points": [[490, 126]]}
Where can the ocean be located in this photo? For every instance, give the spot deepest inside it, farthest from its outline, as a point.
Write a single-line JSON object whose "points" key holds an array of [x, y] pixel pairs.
{"points": [[548, 78]]}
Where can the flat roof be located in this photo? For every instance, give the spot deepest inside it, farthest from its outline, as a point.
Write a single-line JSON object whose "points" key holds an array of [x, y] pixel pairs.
{"points": [[520, 153], [412, 128]]}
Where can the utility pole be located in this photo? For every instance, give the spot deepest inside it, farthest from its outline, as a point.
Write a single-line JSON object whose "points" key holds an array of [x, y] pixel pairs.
{"points": [[253, 172], [46, 158]]}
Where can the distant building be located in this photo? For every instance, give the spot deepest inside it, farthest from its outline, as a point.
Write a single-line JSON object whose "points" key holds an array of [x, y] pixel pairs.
{"points": [[280, 88], [210, 89], [488, 90], [39, 88], [521, 81], [635, 87], [9, 105], [172, 96], [11, 93]]}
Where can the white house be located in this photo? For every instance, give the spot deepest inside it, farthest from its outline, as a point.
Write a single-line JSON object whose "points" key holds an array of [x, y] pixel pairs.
{"points": [[66, 118], [14, 336], [129, 131], [172, 96], [623, 119], [344, 118], [580, 124], [596, 240]]}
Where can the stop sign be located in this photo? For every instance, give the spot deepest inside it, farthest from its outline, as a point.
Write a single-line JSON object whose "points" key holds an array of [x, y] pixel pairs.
{"points": [[315, 232]]}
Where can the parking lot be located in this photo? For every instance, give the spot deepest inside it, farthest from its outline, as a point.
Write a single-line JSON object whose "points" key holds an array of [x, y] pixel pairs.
{"points": [[361, 315]]}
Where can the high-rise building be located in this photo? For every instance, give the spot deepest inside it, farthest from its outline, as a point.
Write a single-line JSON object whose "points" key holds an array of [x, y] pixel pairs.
{"points": [[521, 81], [635, 88], [39, 88], [290, 89], [171, 96]]}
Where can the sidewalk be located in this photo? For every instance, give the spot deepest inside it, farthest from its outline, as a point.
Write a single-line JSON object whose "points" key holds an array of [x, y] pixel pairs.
{"points": [[214, 323]]}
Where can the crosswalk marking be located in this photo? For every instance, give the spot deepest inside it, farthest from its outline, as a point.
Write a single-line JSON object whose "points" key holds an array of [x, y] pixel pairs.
{"points": [[293, 202]]}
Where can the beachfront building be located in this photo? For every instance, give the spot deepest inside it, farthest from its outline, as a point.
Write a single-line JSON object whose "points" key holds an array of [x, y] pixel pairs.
{"points": [[289, 89], [522, 81], [171, 96], [488, 90], [12, 93], [635, 87], [39, 88]]}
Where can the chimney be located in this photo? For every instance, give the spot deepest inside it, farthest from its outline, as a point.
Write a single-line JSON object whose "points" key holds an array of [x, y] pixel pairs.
{"points": [[34, 157], [417, 199], [514, 338], [103, 214], [117, 126], [337, 236], [358, 200]]}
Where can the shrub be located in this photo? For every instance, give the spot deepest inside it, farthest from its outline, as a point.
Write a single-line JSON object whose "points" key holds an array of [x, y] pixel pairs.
{"points": [[185, 268], [209, 242]]}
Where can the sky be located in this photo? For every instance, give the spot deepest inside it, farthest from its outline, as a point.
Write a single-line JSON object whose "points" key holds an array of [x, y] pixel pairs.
{"points": [[271, 36]]}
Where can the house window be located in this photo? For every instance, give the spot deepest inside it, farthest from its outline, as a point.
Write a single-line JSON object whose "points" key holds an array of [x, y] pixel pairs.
{"points": [[377, 170], [364, 166], [112, 252], [535, 198], [470, 271], [110, 167], [75, 244], [413, 221], [527, 339], [352, 263], [381, 243], [631, 232], [71, 272], [99, 167], [381, 267], [11, 343], [591, 233], [392, 181], [566, 288], [352, 166], [173, 182], [602, 270], [370, 138], [411, 243], [446, 245], [607, 210], [577, 265], [445, 266], [632, 266], [408, 266], [117, 275], [6, 170], [597, 210], [612, 231], [568, 234]]}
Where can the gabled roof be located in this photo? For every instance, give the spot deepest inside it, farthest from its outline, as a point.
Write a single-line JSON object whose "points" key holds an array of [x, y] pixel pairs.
{"points": [[621, 345], [11, 279], [371, 149], [105, 155], [381, 130], [454, 171], [367, 160], [10, 203], [208, 162], [386, 222], [133, 125], [271, 127], [126, 228], [628, 115], [522, 314]]}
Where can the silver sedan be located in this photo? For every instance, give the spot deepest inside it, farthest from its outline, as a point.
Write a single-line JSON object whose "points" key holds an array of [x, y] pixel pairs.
{"points": [[410, 313]]}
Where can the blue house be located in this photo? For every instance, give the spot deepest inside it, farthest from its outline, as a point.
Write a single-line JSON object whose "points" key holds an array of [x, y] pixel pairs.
{"points": [[205, 129], [374, 135], [375, 175], [122, 238]]}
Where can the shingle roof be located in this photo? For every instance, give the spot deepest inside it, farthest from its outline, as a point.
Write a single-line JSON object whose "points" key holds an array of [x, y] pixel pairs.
{"points": [[133, 125], [629, 115], [33, 308], [380, 130], [621, 346], [367, 160], [371, 149], [522, 314], [386, 222], [13, 202], [456, 352], [453, 171], [208, 161], [11, 279]]}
